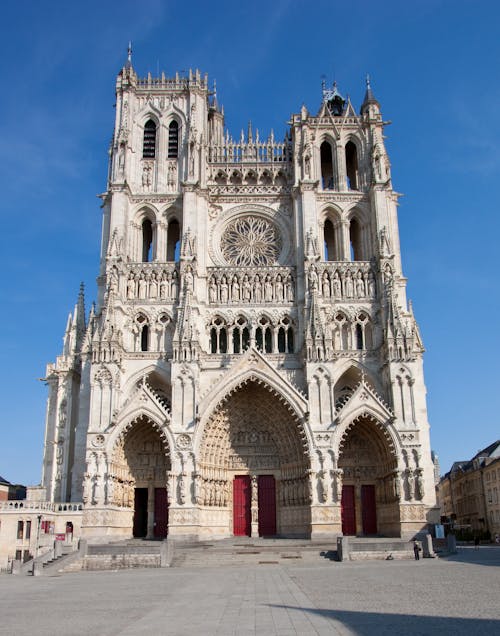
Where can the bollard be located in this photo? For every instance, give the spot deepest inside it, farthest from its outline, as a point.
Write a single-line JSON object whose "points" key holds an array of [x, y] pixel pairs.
{"points": [[37, 568], [451, 541], [428, 548]]}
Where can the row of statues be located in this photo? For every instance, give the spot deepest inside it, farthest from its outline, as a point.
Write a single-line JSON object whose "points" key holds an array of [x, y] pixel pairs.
{"points": [[162, 285], [251, 288], [348, 284]]}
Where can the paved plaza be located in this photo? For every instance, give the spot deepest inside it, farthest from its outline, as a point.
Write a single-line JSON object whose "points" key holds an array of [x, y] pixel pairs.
{"points": [[458, 595]]}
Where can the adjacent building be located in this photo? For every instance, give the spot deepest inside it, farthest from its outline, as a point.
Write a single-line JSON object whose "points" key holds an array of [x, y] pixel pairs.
{"points": [[468, 493]]}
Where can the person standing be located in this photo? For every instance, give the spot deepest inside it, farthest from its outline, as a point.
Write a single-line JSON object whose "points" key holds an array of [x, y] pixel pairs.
{"points": [[416, 550]]}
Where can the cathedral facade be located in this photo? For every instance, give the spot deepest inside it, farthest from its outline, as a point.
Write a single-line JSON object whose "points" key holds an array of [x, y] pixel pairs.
{"points": [[252, 365]]}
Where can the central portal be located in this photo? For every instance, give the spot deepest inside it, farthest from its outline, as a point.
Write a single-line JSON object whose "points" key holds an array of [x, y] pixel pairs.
{"points": [[253, 475]]}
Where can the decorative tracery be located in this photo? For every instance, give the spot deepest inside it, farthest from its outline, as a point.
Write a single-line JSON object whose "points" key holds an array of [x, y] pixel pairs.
{"points": [[251, 241]]}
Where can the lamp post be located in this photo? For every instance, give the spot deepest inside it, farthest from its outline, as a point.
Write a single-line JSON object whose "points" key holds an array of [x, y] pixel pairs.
{"points": [[39, 519]]}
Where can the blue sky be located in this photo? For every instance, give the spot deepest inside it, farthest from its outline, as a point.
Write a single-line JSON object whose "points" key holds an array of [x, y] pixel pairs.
{"points": [[435, 69]]}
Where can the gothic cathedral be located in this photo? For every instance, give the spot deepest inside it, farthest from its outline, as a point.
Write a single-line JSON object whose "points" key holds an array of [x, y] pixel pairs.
{"points": [[252, 365]]}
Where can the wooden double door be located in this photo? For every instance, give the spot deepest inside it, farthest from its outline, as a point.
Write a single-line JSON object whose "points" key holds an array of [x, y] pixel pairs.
{"points": [[144, 509], [242, 505], [367, 507]]}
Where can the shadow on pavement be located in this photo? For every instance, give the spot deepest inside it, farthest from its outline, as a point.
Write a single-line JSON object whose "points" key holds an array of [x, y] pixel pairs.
{"points": [[372, 624], [485, 555]]}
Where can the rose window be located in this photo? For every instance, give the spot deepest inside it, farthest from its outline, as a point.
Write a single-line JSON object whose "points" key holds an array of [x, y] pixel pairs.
{"points": [[251, 241]]}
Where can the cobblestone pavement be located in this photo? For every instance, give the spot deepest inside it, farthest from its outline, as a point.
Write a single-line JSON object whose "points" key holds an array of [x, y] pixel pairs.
{"points": [[458, 595]]}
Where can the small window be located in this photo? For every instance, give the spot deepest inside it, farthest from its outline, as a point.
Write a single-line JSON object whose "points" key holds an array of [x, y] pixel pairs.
{"points": [[329, 239], [351, 162], [223, 340], [149, 145], [326, 155], [281, 340], [173, 140], [173, 241], [359, 337], [20, 530], [144, 338], [27, 534], [147, 241]]}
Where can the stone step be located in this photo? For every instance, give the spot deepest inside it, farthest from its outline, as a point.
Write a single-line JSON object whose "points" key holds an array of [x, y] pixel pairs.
{"points": [[229, 553]]}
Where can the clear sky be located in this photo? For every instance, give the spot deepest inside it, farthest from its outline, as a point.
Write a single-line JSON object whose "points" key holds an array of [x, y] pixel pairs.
{"points": [[435, 69]]}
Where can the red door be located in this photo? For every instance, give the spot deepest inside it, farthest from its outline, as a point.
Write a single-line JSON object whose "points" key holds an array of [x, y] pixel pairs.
{"points": [[348, 511], [161, 513], [267, 506], [241, 506], [368, 509]]}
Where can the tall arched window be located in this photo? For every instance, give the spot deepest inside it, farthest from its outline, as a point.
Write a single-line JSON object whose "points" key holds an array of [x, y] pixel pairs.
{"points": [[355, 240], [331, 253], [173, 240], [241, 336], [218, 336], [145, 338], [285, 336], [147, 241], [351, 164], [173, 140], [149, 143], [359, 337], [264, 336], [326, 156]]}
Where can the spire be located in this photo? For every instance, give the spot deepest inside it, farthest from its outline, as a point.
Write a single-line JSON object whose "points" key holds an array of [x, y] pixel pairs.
{"points": [[79, 315], [129, 56], [369, 96]]}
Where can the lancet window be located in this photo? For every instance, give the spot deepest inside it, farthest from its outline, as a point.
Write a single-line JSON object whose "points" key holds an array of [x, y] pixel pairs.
{"points": [[218, 336], [149, 141], [326, 157], [356, 241], [173, 140], [241, 335], [142, 331], [330, 242], [264, 336], [351, 164], [147, 241], [173, 240]]}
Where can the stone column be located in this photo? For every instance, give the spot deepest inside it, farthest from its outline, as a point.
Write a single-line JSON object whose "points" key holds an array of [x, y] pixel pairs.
{"points": [[254, 531], [151, 511]]}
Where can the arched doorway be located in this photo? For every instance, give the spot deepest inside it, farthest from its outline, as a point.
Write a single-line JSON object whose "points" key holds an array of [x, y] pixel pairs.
{"points": [[254, 465], [370, 490], [138, 479]]}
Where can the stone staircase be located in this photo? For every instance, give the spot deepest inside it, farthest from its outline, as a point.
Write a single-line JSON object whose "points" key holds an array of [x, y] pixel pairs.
{"points": [[238, 551], [135, 553], [233, 551]]}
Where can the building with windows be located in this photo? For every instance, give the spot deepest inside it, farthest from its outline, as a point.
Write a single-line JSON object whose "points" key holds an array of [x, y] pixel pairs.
{"points": [[468, 493], [252, 365]]}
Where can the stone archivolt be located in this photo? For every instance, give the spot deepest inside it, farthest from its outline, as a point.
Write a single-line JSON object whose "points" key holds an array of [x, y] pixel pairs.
{"points": [[252, 432]]}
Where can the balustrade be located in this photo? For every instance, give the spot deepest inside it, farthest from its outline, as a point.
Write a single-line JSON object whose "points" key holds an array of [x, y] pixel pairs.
{"points": [[256, 152]]}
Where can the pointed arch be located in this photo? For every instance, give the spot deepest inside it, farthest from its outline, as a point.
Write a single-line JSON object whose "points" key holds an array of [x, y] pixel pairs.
{"points": [[295, 403]]}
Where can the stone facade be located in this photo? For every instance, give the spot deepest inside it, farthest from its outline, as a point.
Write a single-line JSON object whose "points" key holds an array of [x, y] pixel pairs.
{"points": [[468, 493], [252, 365]]}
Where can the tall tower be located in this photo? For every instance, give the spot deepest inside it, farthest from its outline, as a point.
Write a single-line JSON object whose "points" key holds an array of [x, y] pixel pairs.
{"points": [[252, 365]]}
